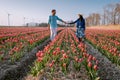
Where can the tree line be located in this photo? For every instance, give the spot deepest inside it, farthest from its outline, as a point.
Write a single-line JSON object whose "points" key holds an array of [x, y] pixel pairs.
{"points": [[46, 25], [110, 15]]}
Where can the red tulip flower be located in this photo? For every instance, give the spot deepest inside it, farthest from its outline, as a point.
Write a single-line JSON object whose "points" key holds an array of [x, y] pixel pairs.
{"points": [[51, 64], [95, 67], [40, 54], [94, 58], [39, 59], [53, 61], [64, 64], [1, 52], [90, 64], [54, 53], [90, 57], [80, 60], [119, 55], [65, 55], [63, 51], [76, 58]]}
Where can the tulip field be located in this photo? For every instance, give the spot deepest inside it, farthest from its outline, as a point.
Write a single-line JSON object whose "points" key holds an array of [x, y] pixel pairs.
{"points": [[64, 58], [14, 42], [107, 41]]}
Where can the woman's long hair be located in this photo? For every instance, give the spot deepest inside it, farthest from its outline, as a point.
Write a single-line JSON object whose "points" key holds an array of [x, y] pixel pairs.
{"points": [[80, 17]]}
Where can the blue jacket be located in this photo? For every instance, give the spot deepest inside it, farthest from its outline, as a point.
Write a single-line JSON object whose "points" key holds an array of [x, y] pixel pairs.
{"points": [[79, 23]]}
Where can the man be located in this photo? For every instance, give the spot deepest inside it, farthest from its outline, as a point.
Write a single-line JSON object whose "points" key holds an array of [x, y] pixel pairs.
{"points": [[53, 24]]}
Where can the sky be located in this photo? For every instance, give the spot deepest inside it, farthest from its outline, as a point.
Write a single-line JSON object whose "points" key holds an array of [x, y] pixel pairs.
{"points": [[39, 10]]}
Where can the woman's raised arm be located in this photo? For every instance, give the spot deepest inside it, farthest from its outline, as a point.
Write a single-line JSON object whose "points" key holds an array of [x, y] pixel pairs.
{"points": [[73, 22]]}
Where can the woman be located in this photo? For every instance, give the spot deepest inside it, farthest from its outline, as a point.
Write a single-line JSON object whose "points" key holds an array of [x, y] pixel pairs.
{"points": [[80, 25]]}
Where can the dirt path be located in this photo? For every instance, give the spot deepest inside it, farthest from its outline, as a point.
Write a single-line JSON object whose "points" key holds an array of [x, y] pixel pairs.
{"points": [[107, 70]]}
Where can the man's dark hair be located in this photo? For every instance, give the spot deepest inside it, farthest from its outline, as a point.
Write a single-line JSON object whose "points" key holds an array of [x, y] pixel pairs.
{"points": [[53, 10]]}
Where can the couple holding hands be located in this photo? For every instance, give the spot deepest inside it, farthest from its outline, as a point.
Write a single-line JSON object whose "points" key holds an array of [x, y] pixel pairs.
{"points": [[80, 25]]}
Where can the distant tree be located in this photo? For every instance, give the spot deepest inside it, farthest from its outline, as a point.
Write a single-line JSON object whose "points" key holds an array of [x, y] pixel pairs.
{"points": [[117, 13], [111, 15], [112, 11], [93, 19], [43, 24]]}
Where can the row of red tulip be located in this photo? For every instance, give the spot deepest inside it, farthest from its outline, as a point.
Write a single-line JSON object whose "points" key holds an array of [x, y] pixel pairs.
{"points": [[107, 41], [13, 48], [11, 32], [61, 52]]}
